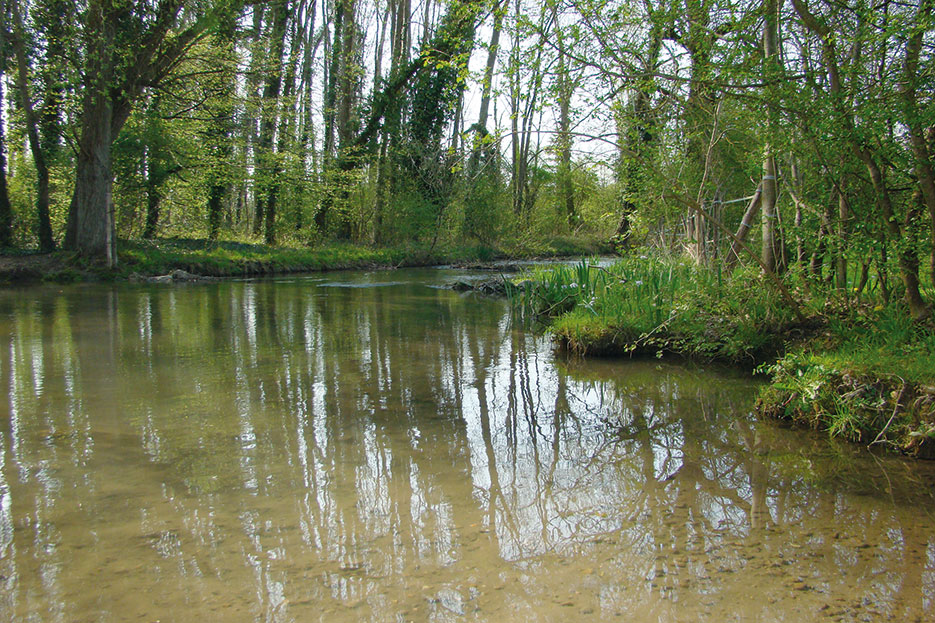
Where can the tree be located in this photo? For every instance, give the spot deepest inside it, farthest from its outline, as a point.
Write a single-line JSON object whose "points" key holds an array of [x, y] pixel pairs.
{"points": [[565, 84], [219, 128], [441, 54], [126, 47], [6, 211], [867, 154], [480, 128], [770, 185], [268, 167], [44, 224]]}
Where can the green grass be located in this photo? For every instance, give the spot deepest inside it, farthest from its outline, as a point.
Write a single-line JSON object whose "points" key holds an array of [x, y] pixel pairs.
{"points": [[238, 258], [651, 305], [232, 258], [880, 341]]}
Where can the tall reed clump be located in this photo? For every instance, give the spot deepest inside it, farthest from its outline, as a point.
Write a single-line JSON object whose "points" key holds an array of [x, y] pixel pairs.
{"points": [[596, 308], [646, 304]]}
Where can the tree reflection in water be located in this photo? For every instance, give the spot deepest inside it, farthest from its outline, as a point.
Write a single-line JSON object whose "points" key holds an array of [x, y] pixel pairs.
{"points": [[366, 447]]}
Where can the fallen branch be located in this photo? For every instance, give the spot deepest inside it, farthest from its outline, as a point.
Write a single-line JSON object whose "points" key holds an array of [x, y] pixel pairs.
{"points": [[892, 417]]}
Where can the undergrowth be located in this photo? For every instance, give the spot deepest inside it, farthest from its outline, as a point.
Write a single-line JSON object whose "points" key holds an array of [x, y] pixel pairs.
{"points": [[871, 380]]}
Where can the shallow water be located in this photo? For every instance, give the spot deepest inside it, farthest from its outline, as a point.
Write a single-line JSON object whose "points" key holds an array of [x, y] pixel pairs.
{"points": [[370, 447]]}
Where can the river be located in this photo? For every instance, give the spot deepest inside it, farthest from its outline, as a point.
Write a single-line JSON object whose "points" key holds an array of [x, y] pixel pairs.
{"points": [[371, 446]]}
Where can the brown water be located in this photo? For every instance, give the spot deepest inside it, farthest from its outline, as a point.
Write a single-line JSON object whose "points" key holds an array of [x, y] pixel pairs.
{"points": [[366, 447]]}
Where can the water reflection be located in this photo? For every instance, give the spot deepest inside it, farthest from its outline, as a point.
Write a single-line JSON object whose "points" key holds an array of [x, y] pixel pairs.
{"points": [[323, 449]]}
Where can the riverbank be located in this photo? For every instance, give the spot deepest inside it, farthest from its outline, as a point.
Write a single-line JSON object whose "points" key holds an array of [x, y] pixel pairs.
{"points": [[143, 259], [852, 367]]}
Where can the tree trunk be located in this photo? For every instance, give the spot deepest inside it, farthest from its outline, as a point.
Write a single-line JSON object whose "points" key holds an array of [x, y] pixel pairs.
{"points": [[840, 254], [565, 92], [771, 72], [44, 224], [153, 199], [91, 229], [347, 79], [330, 113], [219, 131], [334, 72], [307, 140], [6, 212], [768, 226], [635, 135], [908, 258], [522, 121], [253, 112], [480, 134], [399, 38], [922, 157], [268, 168], [699, 110], [746, 223]]}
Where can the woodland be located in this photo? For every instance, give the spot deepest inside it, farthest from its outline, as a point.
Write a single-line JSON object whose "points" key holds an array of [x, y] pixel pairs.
{"points": [[786, 134]]}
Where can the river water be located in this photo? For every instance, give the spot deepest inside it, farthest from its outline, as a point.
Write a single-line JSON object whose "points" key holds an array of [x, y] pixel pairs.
{"points": [[373, 447]]}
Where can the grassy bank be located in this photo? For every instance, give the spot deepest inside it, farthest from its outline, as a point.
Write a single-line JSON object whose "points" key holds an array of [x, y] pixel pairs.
{"points": [[643, 306], [870, 380], [860, 371], [239, 259]]}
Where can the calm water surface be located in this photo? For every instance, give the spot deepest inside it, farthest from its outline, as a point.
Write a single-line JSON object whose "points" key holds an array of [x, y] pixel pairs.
{"points": [[371, 447]]}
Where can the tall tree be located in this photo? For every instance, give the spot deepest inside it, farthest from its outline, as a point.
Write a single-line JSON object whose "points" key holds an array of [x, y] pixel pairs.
{"points": [[480, 128], [400, 42], [637, 126], [874, 162], [769, 186], [565, 88], [915, 117], [442, 57], [219, 127], [6, 211], [126, 48], [524, 102], [44, 223], [267, 161]]}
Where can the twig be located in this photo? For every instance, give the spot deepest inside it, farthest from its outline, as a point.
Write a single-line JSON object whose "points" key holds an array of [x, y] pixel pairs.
{"points": [[613, 276], [549, 310], [895, 411]]}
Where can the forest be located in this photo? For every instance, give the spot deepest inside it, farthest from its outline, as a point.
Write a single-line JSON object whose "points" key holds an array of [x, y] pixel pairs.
{"points": [[785, 134]]}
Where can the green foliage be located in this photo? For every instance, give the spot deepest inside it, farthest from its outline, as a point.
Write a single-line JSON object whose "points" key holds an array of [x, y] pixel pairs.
{"points": [[486, 206]]}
